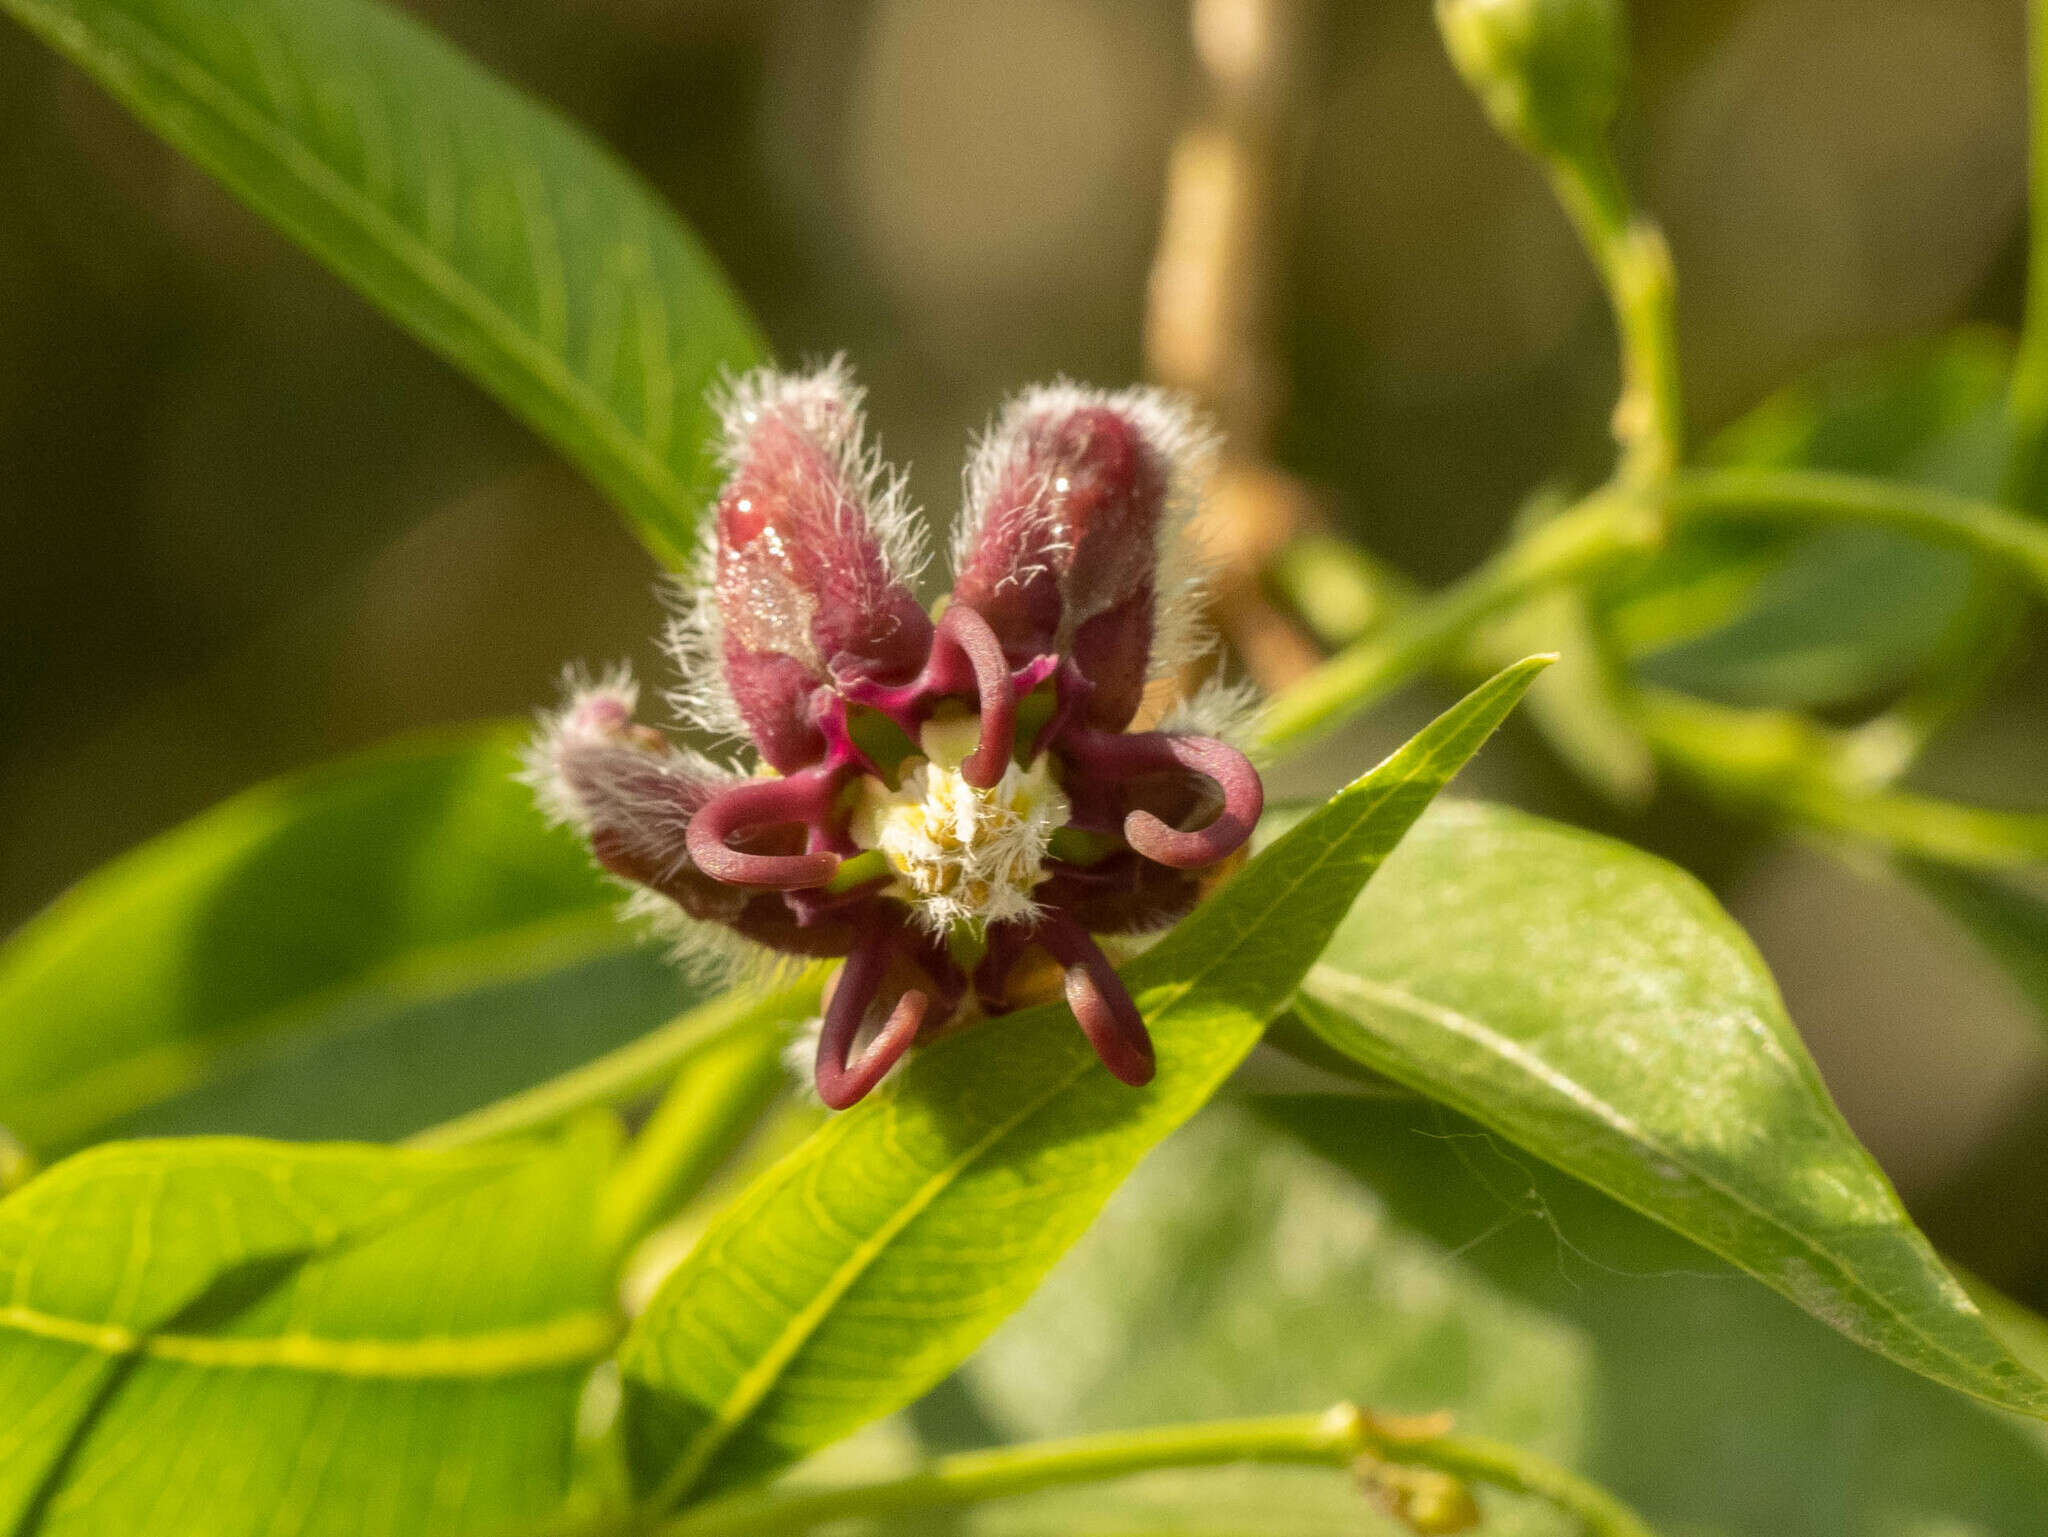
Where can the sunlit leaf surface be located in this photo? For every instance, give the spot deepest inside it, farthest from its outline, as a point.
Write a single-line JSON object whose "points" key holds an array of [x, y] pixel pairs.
{"points": [[1595, 1006], [223, 1336], [1420, 1263], [859, 1270]]}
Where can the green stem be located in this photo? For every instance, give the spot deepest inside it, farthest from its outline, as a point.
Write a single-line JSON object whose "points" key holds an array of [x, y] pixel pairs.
{"points": [[2027, 396], [1635, 268], [1340, 591], [1339, 1439], [1821, 497], [634, 1069], [1594, 536], [1784, 765]]}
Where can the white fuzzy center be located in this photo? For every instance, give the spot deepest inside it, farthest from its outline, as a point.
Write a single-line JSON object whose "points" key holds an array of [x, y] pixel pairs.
{"points": [[961, 855]]}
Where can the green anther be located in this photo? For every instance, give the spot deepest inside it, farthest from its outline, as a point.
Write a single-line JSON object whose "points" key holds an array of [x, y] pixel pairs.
{"points": [[1078, 846], [869, 865]]}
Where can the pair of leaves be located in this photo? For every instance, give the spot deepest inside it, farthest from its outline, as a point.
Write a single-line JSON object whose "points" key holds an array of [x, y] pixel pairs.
{"points": [[862, 1268], [220, 1336], [223, 1335], [321, 957], [1595, 1006], [490, 226], [1394, 1253]]}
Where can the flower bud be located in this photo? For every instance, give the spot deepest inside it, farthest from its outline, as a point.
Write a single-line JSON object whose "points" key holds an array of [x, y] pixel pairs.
{"points": [[1548, 72], [803, 588], [1060, 548]]}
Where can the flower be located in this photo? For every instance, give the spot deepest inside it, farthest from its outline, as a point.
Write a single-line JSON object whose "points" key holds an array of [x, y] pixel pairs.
{"points": [[937, 799]]}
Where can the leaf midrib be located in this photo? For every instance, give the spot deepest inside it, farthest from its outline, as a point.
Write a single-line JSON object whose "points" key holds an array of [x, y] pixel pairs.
{"points": [[754, 1386], [414, 977], [568, 1339], [1390, 996]]}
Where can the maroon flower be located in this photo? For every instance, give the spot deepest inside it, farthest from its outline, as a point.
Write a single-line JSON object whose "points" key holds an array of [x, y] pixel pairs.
{"points": [[937, 799]]}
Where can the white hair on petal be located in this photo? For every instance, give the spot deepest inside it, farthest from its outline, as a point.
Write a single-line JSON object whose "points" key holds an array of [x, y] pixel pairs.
{"points": [[1223, 710], [709, 952], [540, 759], [826, 406], [1170, 427], [800, 1059]]}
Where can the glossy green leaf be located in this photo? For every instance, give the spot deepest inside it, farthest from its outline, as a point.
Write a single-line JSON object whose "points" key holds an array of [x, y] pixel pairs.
{"points": [[359, 951], [490, 226], [1595, 1006], [1416, 1263], [862, 1268], [2006, 916], [1757, 617], [218, 1336]]}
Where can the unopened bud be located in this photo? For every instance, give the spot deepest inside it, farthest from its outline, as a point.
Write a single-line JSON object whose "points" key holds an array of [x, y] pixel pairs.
{"points": [[1548, 72], [1422, 1499]]}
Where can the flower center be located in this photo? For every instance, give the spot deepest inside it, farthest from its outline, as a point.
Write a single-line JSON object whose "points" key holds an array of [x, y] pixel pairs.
{"points": [[961, 855]]}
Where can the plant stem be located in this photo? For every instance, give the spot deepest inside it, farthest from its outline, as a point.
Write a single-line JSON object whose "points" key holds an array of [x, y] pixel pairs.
{"points": [[632, 1070], [1786, 765], [1821, 497], [1339, 1439], [1635, 268], [1593, 536], [2027, 396]]}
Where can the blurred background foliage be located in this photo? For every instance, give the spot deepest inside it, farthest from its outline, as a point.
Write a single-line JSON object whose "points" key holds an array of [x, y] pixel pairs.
{"points": [[245, 523]]}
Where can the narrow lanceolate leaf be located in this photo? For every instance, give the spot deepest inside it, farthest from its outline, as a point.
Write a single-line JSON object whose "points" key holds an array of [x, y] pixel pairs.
{"points": [[1595, 1005], [862, 1268], [359, 951], [482, 221], [218, 1337]]}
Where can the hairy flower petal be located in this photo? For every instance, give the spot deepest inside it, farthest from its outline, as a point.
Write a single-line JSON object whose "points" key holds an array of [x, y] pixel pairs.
{"points": [[1074, 500], [803, 589]]}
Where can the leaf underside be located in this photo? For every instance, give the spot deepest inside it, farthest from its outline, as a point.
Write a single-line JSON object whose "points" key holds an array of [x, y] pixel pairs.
{"points": [[1596, 1007]]}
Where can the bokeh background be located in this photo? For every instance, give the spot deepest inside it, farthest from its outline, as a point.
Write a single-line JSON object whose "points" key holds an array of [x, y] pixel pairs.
{"points": [[245, 523]]}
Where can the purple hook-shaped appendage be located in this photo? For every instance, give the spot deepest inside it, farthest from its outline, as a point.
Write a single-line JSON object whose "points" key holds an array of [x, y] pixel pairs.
{"points": [[804, 797], [973, 643], [841, 1081], [1126, 756], [1100, 1001]]}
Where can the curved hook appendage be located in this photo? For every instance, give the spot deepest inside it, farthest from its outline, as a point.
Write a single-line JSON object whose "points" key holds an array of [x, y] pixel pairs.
{"points": [[800, 798], [1100, 1002], [970, 634], [1152, 752], [843, 1083]]}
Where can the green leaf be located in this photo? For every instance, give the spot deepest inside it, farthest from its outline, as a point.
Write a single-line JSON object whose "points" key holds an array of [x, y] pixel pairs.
{"points": [[1416, 1263], [1755, 617], [2008, 919], [218, 1336], [862, 1268], [1595, 1006], [362, 950], [490, 226]]}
